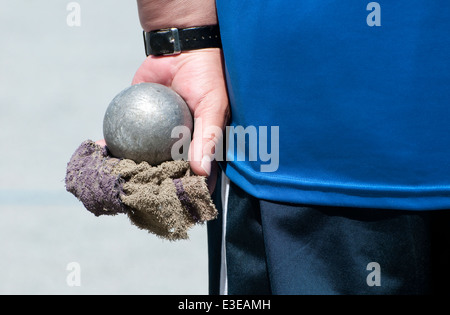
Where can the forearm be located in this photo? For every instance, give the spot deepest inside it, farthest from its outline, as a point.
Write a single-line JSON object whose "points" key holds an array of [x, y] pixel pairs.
{"points": [[157, 14]]}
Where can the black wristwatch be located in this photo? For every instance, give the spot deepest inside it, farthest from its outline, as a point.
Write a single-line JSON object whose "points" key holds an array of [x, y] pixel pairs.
{"points": [[172, 41]]}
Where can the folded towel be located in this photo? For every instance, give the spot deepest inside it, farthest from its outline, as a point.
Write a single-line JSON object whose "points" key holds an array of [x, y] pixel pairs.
{"points": [[166, 200]]}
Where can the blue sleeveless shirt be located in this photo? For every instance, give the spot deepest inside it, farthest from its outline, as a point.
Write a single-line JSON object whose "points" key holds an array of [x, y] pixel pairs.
{"points": [[340, 103]]}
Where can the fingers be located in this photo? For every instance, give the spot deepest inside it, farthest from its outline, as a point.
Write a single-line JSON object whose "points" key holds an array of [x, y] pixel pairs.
{"points": [[101, 142]]}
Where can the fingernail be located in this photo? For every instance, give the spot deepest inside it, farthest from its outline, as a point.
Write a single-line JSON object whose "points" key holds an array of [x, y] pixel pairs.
{"points": [[206, 164]]}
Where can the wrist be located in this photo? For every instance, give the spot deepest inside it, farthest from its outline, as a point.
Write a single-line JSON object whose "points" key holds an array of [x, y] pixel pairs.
{"points": [[160, 14]]}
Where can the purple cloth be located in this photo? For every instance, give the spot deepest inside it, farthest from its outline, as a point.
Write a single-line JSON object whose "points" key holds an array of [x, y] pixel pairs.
{"points": [[89, 178]]}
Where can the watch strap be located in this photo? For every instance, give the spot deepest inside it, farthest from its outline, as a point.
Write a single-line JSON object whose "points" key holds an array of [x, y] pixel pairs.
{"points": [[172, 41]]}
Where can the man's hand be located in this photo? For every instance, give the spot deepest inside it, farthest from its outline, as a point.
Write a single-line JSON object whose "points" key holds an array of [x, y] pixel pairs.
{"points": [[198, 77]]}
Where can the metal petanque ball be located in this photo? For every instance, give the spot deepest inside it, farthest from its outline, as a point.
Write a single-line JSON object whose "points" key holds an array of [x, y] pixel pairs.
{"points": [[138, 123]]}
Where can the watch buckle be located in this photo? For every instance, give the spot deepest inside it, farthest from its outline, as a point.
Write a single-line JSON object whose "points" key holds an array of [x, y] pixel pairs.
{"points": [[165, 42]]}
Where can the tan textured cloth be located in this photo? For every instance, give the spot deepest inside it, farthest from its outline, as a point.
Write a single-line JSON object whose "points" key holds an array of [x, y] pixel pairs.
{"points": [[166, 200], [154, 197]]}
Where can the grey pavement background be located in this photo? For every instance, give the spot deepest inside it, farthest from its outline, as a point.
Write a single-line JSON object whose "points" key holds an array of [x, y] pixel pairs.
{"points": [[55, 84]]}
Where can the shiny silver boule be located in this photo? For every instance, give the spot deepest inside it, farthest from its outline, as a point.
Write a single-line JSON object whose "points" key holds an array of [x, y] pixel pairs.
{"points": [[138, 123]]}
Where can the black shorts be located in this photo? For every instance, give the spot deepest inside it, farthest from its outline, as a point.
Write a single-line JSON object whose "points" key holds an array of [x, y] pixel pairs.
{"points": [[278, 248]]}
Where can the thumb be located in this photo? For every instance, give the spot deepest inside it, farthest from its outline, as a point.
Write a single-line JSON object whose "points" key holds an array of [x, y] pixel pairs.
{"points": [[210, 118], [156, 70]]}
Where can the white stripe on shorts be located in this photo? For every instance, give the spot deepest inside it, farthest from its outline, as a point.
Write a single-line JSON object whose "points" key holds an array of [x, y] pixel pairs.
{"points": [[225, 189]]}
